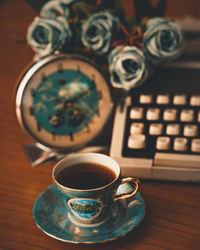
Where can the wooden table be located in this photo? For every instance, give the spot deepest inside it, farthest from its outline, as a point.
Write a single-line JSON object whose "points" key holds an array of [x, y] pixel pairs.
{"points": [[173, 209]]}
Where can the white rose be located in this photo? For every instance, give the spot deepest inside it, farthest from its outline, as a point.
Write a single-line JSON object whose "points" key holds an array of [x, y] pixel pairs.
{"points": [[97, 31], [162, 40], [128, 67]]}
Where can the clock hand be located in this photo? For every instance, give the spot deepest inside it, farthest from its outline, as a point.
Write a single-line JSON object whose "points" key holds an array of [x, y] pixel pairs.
{"points": [[66, 104], [69, 104], [76, 98], [61, 101]]}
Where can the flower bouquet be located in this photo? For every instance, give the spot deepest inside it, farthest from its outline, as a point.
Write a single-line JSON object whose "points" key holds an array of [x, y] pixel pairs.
{"points": [[125, 48]]}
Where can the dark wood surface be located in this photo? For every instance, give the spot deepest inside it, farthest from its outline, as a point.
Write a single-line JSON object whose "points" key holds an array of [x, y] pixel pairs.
{"points": [[172, 218]]}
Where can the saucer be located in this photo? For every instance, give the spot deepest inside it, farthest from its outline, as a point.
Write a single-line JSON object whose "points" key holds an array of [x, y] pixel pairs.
{"points": [[51, 217]]}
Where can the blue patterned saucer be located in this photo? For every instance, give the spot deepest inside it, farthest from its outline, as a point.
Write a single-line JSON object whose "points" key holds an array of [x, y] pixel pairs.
{"points": [[50, 216]]}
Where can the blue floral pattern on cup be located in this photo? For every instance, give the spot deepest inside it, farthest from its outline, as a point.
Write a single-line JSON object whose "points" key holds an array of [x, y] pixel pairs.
{"points": [[128, 67], [162, 39], [45, 35], [97, 31]]}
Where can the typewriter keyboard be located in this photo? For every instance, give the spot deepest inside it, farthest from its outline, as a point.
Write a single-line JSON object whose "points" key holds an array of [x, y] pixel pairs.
{"points": [[156, 131], [163, 127]]}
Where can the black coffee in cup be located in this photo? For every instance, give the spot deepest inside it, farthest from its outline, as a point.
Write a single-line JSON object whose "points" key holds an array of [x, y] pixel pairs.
{"points": [[86, 175]]}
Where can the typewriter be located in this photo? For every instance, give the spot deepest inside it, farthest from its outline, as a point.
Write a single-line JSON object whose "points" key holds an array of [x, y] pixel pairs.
{"points": [[156, 130]]}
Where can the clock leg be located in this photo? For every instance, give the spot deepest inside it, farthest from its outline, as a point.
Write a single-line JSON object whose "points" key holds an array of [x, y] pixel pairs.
{"points": [[37, 156]]}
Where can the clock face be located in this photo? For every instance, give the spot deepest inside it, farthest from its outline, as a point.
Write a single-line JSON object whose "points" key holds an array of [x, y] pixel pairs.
{"points": [[63, 101]]}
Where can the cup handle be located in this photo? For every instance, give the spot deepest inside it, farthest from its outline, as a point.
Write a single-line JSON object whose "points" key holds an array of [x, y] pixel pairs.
{"points": [[127, 195]]}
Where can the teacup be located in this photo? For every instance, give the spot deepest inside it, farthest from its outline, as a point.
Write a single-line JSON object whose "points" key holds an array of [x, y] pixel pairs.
{"points": [[88, 184]]}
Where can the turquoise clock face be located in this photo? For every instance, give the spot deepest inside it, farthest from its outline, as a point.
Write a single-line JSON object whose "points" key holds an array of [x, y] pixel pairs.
{"points": [[63, 102]]}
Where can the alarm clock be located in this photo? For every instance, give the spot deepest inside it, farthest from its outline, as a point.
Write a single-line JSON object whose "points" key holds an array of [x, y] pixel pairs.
{"points": [[63, 103]]}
